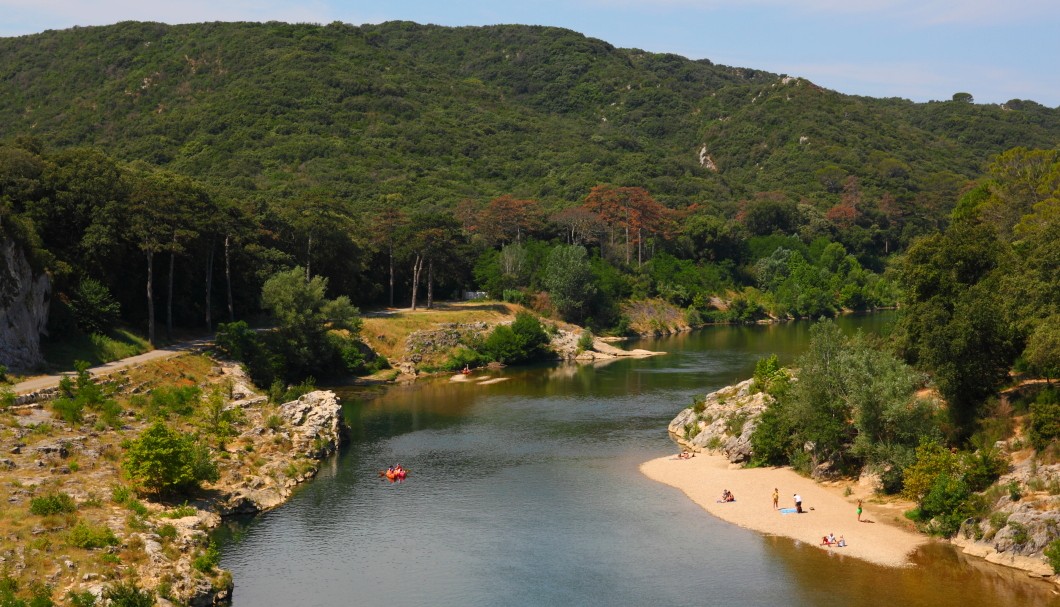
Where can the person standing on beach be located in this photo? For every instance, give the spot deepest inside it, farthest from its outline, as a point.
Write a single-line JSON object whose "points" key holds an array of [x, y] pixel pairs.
{"points": [[798, 503], [859, 511], [776, 497]]}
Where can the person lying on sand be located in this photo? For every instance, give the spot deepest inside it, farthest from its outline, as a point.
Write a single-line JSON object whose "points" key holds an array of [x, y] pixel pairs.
{"points": [[685, 455]]}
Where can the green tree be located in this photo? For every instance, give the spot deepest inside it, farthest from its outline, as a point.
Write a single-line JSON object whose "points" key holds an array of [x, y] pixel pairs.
{"points": [[94, 308], [569, 281], [162, 460], [1043, 348], [303, 316]]}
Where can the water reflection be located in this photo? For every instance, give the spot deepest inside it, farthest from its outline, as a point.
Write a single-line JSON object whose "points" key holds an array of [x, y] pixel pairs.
{"points": [[526, 492]]}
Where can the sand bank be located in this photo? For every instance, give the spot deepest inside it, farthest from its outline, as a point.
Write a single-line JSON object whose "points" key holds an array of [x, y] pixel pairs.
{"points": [[704, 477]]}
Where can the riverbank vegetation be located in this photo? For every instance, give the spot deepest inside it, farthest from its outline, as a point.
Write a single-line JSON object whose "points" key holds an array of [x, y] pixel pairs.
{"points": [[959, 396]]}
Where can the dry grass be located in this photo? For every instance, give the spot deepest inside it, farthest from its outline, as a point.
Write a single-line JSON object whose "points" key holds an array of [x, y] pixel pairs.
{"points": [[38, 547], [386, 333]]}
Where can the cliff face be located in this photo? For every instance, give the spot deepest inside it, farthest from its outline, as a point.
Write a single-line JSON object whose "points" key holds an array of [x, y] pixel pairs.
{"points": [[24, 299]]}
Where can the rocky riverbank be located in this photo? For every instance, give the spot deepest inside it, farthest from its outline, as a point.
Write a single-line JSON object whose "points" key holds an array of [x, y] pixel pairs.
{"points": [[1024, 505], [162, 546]]}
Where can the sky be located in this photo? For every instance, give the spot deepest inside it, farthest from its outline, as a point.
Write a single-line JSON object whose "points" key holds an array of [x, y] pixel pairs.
{"points": [[922, 50]]}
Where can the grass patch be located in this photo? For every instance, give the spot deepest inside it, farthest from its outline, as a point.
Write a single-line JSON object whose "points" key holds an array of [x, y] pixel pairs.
{"points": [[95, 349], [386, 334], [88, 536]]}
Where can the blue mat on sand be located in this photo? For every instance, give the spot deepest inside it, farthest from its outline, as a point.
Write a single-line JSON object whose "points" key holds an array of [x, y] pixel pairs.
{"points": [[787, 511]]}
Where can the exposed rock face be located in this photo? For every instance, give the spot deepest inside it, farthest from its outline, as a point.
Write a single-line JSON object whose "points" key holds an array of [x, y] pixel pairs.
{"points": [[313, 425], [24, 299], [1017, 531], [725, 423]]}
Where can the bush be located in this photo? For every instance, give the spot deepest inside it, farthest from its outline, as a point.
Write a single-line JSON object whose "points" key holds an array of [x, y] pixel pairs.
{"points": [[463, 357], [128, 594], [206, 560], [175, 400], [586, 341], [766, 371], [771, 440], [87, 536], [983, 467], [278, 394], [81, 599], [53, 503], [163, 460], [1052, 552], [524, 340], [1045, 418], [83, 392]]}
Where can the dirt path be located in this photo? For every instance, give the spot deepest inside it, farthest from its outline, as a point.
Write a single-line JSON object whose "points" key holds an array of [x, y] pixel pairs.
{"points": [[47, 381]]}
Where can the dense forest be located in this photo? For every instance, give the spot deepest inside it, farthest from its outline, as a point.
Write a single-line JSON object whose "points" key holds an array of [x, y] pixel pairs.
{"points": [[172, 171]]}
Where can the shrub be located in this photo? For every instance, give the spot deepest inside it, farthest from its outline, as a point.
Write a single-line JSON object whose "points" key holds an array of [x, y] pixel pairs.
{"points": [[585, 342], [463, 357], [177, 400], [53, 503], [163, 460], [181, 511], [119, 494], [206, 560], [167, 532], [1014, 492], [1019, 534], [699, 405], [734, 425], [766, 370], [278, 394], [523, 341], [274, 422], [1052, 552], [87, 536], [983, 467], [1045, 418], [239, 342], [772, 438], [128, 594], [81, 599]]}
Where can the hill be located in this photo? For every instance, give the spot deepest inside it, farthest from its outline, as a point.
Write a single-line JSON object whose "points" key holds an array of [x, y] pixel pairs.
{"points": [[442, 114]]}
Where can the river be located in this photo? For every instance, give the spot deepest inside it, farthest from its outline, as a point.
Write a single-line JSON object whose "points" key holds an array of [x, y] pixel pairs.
{"points": [[526, 492]]}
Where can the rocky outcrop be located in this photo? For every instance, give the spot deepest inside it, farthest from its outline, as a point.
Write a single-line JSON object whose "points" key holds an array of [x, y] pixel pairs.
{"points": [[1024, 520], [567, 345], [723, 421], [313, 429], [24, 300]]}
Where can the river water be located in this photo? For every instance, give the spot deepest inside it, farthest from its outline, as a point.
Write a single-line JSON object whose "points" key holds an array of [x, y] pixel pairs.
{"points": [[526, 492]]}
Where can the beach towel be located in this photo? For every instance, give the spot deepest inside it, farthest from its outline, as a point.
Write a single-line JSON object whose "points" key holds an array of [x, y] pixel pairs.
{"points": [[787, 511]]}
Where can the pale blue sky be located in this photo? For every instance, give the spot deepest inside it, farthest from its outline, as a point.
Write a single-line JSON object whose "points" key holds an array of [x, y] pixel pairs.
{"points": [[916, 49]]}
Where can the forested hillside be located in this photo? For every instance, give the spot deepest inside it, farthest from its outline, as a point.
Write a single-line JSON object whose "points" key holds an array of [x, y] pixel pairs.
{"points": [[403, 162], [441, 114]]}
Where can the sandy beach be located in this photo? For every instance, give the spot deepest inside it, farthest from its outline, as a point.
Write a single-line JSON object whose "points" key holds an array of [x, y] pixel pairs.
{"points": [[704, 477]]}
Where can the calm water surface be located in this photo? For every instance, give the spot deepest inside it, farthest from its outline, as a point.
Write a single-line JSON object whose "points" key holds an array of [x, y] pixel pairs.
{"points": [[526, 492]]}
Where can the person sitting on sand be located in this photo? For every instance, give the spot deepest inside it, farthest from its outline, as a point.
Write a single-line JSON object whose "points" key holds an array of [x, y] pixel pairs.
{"points": [[824, 541], [727, 496], [831, 539], [842, 543]]}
